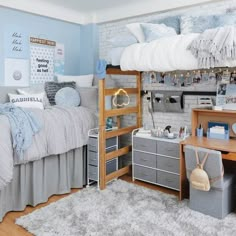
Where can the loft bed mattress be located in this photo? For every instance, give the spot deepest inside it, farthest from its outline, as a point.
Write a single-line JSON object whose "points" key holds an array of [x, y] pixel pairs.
{"points": [[163, 55]]}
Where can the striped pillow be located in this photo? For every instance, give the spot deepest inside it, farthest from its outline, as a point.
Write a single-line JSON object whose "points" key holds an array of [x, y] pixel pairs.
{"points": [[51, 89]]}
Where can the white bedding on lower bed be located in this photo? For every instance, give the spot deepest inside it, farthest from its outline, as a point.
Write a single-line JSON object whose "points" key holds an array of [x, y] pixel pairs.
{"points": [[162, 55]]}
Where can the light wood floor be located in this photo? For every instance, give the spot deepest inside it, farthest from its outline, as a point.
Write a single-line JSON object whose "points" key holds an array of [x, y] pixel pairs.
{"points": [[9, 228]]}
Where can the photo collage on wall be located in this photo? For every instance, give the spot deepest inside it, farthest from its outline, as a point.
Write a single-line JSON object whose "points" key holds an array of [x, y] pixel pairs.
{"points": [[190, 78], [226, 91]]}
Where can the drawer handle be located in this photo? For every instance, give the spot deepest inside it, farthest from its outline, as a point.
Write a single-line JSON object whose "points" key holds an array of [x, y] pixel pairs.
{"points": [[142, 145], [169, 149], [169, 180], [94, 173], [169, 165], [142, 159], [144, 174], [93, 159]]}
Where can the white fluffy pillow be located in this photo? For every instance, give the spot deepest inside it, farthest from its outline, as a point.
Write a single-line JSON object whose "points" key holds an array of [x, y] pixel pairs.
{"points": [[137, 31], [81, 80], [35, 90], [27, 101]]}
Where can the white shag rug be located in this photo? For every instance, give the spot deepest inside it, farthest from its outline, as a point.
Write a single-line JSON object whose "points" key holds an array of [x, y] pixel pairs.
{"points": [[123, 209]]}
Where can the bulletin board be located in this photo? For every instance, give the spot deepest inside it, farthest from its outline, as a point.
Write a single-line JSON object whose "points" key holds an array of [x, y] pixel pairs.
{"points": [[41, 60]]}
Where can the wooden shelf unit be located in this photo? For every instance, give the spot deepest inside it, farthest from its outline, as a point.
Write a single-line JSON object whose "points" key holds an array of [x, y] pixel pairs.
{"points": [[203, 116], [103, 114]]}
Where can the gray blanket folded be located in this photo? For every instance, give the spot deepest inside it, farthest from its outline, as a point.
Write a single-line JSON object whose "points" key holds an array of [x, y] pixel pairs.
{"points": [[214, 46]]}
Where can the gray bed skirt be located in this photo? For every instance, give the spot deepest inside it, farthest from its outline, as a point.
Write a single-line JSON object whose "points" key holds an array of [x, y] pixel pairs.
{"points": [[36, 181]]}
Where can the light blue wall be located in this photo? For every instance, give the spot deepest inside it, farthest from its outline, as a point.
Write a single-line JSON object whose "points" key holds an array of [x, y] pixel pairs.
{"points": [[89, 48], [73, 36]]}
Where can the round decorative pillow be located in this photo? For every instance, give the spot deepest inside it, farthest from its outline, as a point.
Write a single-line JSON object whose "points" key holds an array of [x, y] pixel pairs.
{"points": [[67, 97]]}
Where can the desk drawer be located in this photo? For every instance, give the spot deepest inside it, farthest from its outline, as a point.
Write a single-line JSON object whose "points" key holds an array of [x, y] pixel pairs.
{"points": [[168, 180], [93, 158], [144, 173], [167, 163], [145, 144], [168, 149], [145, 159]]}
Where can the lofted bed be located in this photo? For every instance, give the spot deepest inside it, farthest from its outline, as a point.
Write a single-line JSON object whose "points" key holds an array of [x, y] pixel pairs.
{"points": [[214, 48]]}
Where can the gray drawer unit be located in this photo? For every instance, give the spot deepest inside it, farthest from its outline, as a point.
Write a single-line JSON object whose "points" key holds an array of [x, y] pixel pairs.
{"points": [[168, 164], [144, 173], [93, 173], [93, 170], [168, 179], [110, 166], [93, 143], [168, 148], [156, 160], [93, 149], [93, 158], [144, 159], [144, 144]]}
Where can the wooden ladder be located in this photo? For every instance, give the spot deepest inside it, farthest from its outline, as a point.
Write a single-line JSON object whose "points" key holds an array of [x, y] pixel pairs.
{"points": [[104, 114]]}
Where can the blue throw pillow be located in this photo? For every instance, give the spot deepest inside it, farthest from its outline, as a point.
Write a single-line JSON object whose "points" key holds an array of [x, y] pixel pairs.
{"points": [[67, 97], [122, 40], [156, 31], [173, 21], [197, 24], [226, 19]]}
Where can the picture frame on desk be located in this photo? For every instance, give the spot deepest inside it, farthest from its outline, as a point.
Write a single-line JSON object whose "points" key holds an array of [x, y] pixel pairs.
{"points": [[218, 130]]}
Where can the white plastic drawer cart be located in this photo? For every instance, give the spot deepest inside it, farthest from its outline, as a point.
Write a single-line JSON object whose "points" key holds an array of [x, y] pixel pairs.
{"points": [[93, 156]]}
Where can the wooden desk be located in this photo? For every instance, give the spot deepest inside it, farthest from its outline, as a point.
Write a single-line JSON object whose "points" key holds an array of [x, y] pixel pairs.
{"points": [[228, 146]]}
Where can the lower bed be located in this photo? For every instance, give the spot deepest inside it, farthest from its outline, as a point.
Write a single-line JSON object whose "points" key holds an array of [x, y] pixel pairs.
{"points": [[36, 181]]}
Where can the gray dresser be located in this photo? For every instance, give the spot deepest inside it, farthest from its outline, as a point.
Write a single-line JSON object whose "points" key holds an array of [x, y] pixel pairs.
{"points": [[93, 156], [156, 161]]}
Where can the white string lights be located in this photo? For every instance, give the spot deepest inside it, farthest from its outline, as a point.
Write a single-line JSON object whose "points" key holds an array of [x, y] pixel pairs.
{"points": [[187, 78]]}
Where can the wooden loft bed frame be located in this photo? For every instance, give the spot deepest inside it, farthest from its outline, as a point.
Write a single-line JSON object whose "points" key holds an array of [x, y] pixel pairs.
{"points": [[104, 114]]}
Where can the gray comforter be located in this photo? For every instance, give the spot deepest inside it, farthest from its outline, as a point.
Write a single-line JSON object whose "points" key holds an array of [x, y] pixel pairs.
{"points": [[63, 129]]}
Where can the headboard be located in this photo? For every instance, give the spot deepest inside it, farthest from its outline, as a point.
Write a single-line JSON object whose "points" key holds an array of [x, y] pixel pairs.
{"points": [[4, 93], [88, 95]]}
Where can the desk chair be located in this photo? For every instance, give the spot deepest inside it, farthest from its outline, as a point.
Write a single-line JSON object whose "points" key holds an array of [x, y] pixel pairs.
{"points": [[218, 201]]}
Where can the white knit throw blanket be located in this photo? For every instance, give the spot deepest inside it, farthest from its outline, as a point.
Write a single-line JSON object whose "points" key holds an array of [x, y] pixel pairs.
{"points": [[214, 46]]}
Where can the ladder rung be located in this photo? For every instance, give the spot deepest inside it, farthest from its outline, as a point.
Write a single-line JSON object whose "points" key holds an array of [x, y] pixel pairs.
{"points": [[119, 132], [117, 153], [118, 173], [112, 91], [121, 111]]}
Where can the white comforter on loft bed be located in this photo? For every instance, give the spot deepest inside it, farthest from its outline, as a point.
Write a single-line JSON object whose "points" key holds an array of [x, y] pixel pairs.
{"points": [[163, 55]]}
